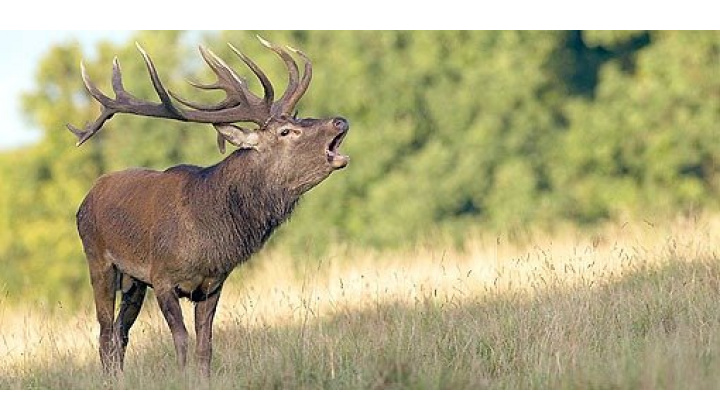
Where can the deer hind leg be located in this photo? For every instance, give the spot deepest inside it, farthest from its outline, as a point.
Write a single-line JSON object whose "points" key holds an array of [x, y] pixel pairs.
{"points": [[103, 278], [170, 307], [132, 300]]}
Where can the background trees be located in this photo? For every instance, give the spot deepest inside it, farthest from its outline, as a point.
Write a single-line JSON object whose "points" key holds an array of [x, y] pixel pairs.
{"points": [[451, 131]]}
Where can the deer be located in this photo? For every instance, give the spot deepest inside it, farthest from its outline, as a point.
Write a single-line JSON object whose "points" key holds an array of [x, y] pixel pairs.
{"points": [[182, 231]]}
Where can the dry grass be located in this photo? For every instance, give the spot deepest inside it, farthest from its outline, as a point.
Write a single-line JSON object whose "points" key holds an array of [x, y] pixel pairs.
{"points": [[632, 306]]}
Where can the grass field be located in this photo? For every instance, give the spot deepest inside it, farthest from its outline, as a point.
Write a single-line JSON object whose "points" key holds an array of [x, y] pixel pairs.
{"points": [[632, 306]]}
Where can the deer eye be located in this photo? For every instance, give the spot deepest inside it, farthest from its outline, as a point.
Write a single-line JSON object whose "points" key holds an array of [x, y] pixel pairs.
{"points": [[285, 132]]}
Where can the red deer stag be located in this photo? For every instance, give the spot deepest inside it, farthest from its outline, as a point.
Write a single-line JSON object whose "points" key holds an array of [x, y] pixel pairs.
{"points": [[183, 230]]}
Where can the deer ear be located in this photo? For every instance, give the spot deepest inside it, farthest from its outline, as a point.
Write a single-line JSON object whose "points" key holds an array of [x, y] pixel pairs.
{"points": [[240, 137]]}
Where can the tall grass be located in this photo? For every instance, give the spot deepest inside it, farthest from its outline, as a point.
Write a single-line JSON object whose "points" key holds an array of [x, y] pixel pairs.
{"points": [[629, 306]]}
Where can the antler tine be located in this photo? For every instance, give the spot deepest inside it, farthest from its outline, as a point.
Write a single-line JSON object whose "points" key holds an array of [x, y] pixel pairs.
{"points": [[90, 86], [117, 83], [304, 83], [267, 86], [157, 84], [90, 128], [279, 108], [227, 80]]}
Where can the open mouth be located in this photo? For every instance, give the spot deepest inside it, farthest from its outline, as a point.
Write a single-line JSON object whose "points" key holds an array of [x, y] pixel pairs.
{"points": [[335, 159]]}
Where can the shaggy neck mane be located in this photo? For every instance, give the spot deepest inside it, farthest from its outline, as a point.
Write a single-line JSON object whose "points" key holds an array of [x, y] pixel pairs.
{"points": [[242, 204]]}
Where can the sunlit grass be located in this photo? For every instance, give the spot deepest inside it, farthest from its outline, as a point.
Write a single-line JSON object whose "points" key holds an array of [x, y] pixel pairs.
{"points": [[629, 306]]}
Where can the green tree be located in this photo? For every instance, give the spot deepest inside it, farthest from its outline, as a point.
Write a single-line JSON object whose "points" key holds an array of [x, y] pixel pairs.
{"points": [[650, 139], [451, 131]]}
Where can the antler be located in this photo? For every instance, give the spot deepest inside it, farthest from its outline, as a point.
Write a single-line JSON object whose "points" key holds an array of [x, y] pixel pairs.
{"points": [[239, 104], [295, 89]]}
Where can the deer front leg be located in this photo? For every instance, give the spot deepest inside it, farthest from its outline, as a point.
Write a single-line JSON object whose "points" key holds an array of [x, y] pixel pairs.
{"points": [[170, 308], [204, 315]]}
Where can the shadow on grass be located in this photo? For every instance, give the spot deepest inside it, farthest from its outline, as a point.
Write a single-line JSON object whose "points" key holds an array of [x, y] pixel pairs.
{"points": [[655, 328]]}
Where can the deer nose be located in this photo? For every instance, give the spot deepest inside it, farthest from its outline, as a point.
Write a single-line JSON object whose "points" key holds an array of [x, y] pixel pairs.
{"points": [[341, 123]]}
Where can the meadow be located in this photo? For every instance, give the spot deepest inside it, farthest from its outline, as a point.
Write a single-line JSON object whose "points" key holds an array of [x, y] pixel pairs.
{"points": [[625, 306]]}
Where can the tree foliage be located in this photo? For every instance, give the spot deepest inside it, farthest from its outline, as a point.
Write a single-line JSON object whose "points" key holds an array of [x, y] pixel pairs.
{"points": [[451, 131]]}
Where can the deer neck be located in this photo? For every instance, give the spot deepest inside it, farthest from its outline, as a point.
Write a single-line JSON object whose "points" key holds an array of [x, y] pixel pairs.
{"points": [[248, 200], [245, 175]]}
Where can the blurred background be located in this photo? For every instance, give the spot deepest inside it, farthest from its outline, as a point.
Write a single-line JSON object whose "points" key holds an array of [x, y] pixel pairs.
{"points": [[452, 133]]}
